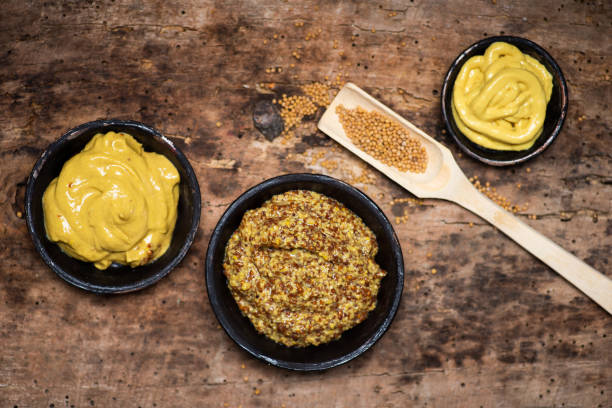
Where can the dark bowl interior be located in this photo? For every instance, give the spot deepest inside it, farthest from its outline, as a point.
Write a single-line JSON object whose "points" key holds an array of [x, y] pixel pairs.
{"points": [[354, 341], [555, 111], [117, 278]]}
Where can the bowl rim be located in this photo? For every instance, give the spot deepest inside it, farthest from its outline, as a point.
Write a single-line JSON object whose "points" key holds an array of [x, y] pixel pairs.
{"points": [[215, 241], [38, 241], [447, 88]]}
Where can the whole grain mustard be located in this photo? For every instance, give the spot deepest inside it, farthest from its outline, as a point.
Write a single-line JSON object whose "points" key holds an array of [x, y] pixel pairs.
{"points": [[113, 202], [499, 98], [301, 268]]}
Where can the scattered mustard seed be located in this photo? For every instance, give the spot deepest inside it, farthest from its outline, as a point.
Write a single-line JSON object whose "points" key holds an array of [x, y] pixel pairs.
{"points": [[496, 197], [329, 165], [318, 92], [294, 108]]}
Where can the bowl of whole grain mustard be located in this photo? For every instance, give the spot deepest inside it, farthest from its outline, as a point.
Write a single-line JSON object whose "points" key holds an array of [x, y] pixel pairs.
{"points": [[304, 272], [112, 206], [504, 100]]}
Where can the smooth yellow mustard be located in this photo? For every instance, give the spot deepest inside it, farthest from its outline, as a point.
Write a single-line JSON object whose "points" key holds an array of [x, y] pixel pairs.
{"points": [[499, 98], [113, 202]]}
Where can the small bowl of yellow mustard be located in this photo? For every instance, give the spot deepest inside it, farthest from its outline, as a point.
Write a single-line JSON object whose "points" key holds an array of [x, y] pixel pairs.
{"points": [[112, 206], [504, 100]]}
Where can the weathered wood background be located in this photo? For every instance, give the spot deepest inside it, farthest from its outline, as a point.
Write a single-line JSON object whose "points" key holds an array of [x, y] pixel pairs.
{"points": [[493, 327]]}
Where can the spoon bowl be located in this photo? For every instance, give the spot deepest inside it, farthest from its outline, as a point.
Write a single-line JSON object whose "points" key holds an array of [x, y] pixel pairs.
{"points": [[429, 184]]}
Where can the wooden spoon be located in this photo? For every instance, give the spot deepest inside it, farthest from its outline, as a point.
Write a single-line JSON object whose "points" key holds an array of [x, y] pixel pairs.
{"points": [[444, 179]]}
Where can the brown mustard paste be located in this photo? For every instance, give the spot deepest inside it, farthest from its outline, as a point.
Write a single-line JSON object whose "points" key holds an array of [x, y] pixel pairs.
{"points": [[301, 268]]}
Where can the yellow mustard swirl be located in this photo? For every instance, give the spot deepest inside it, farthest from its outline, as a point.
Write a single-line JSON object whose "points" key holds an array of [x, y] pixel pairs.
{"points": [[499, 98], [113, 202]]}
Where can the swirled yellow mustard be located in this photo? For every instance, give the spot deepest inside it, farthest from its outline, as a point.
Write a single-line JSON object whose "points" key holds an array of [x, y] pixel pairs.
{"points": [[499, 98], [113, 202]]}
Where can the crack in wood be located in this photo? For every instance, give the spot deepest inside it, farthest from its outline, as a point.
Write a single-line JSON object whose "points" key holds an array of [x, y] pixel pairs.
{"points": [[604, 179], [376, 30], [413, 96]]}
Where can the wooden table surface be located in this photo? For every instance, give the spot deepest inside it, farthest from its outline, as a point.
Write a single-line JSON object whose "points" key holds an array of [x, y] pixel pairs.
{"points": [[493, 327]]}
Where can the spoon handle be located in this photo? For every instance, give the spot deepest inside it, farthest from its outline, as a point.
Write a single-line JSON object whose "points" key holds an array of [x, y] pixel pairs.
{"points": [[591, 282]]}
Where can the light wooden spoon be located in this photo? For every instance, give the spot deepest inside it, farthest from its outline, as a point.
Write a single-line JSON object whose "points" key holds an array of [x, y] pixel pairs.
{"points": [[444, 179]]}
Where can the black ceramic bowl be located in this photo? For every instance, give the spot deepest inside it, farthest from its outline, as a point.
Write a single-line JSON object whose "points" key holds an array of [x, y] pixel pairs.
{"points": [[117, 278], [555, 111], [354, 341]]}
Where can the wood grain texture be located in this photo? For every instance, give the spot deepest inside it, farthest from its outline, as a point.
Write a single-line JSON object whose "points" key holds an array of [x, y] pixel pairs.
{"points": [[492, 327]]}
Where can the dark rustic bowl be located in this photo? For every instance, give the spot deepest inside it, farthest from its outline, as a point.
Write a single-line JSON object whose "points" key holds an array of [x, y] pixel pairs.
{"points": [[555, 111], [354, 341], [117, 278]]}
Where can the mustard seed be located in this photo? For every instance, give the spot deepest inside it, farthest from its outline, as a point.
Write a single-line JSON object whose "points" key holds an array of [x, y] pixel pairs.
{"points": [[384, 139]]}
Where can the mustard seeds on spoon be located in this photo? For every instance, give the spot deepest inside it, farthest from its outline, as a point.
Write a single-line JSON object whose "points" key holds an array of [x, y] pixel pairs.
{"points": [[383, 138]]}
